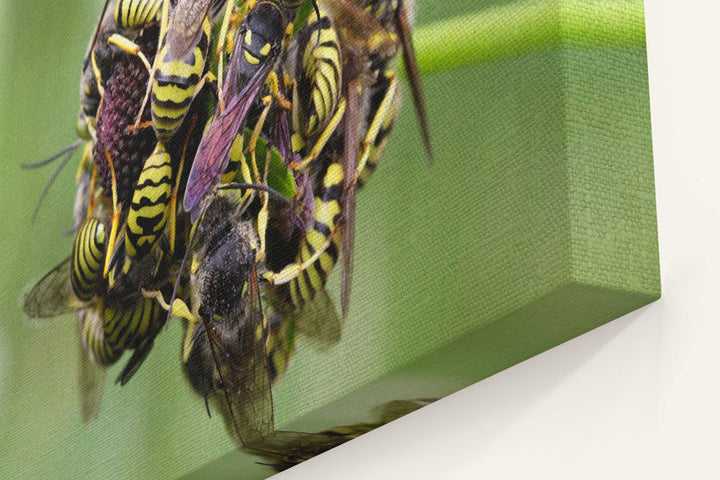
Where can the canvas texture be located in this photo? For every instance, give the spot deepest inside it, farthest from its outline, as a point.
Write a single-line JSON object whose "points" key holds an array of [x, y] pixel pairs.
{"points": [[535, 223]]}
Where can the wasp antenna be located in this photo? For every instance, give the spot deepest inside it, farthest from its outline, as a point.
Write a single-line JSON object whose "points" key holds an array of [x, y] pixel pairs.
{"points": [[67, 151], [52, 158], [195, 229]]}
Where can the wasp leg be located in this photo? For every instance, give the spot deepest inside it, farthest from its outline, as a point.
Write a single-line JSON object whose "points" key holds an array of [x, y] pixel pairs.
{"points": [[139, 126], [379, 124], [275, 97], [130, 47], [172, 221], [223, 40], [84, 161], [321, 245], [179, 309], [91, 190], [323, 139], [115, 218], [164, 24], [97, 75]]}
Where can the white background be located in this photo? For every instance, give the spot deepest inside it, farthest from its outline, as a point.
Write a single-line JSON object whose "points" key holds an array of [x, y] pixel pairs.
{"points": [[637, 398]]}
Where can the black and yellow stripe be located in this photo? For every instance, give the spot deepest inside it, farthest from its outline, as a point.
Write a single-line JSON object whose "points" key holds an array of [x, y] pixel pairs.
{"points": [[378, 145], [320, 84], [324, 239], [128, 17], [150, 206], [135, 14], [175, 82], [93, 338], [88, 257], [107, 331], [125, 326]]}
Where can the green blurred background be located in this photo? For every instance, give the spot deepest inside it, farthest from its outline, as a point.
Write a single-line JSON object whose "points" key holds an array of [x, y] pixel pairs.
{"points": [[421, 275]]}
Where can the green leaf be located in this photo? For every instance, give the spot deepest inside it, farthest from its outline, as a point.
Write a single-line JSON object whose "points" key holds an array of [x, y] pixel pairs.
{"points": [[279, 176], [302, 15]]}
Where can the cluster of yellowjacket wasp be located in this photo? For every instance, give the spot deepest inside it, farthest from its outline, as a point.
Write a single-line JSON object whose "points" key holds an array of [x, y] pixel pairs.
{"points": [[223, 145]]}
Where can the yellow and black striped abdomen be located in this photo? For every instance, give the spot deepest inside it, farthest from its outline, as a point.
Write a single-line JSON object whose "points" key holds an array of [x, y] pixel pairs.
{"points": [[322, 68], [125, 326], [324, 236], [93, 338], [136, 14], [175, 83], [88, 257], [150, 207]]}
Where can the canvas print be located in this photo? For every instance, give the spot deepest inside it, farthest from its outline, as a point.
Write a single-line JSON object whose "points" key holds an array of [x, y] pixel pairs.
{"points": [[282, 224]]}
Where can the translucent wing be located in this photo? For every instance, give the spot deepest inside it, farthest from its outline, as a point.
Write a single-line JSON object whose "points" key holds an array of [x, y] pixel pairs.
{"points": [[212, 158], [52, 295], [350, 150], [91, 379], [241, 359], [317, 321], [280, 133], [360, 29], [320, 322], [186, 25], [411, 68]]}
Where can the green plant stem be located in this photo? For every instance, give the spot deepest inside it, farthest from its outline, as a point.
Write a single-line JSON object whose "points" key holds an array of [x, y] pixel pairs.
{"points": [[520, 28]]}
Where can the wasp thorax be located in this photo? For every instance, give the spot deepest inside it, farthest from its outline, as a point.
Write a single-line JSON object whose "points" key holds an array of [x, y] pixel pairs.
{"points": [[228, 260], [123, 97], [224, 275]]}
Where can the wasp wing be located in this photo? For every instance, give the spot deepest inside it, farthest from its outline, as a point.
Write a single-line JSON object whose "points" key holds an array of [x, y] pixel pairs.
{"points": [[212, 158], [241, 360], [359, 27], [279, 134], [186, 26], [317, 320], [52, 295], [104, 22], [402, 25], [320, 322], [91, 380], [350, 149]]}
